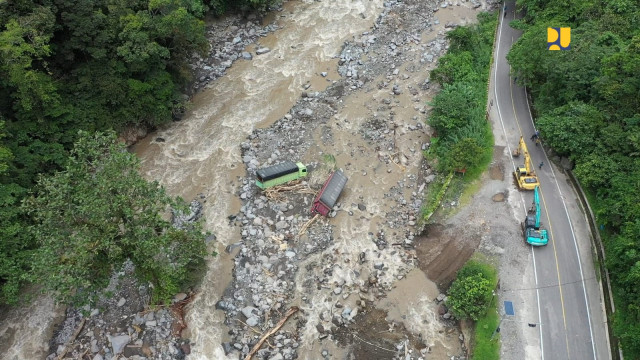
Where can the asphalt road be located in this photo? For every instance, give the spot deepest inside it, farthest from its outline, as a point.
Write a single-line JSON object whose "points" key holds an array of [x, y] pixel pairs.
{"points": [[570, 320]]}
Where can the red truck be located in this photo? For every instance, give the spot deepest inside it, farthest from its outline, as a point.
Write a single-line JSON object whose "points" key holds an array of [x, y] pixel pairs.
{"points": [[328, 196]]}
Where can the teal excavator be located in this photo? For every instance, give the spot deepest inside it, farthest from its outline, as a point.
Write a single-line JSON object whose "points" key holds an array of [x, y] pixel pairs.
{"points": [[532, 232]]}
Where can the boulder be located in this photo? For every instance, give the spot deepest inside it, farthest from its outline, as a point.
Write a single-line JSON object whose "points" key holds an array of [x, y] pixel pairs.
{"points": [[247, 311], [179, 297], [119, 342], [277, 356]]}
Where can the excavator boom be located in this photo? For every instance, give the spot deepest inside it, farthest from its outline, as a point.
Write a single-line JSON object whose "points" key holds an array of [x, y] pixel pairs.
{"points": [[524, 174], [536, 199], [532, 232]]}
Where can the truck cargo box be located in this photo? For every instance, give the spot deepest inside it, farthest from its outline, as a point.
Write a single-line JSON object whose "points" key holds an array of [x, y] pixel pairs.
{"points": [[276, 171], [328, 196]]}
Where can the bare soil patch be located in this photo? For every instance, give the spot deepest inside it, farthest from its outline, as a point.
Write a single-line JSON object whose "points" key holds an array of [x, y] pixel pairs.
{"points": [[496, 171], [442, 250], [499, 197], [371, 336]]}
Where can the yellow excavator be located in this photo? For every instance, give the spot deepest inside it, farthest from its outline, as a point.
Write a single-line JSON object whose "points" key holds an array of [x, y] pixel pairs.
{"points": [[525, 176]]}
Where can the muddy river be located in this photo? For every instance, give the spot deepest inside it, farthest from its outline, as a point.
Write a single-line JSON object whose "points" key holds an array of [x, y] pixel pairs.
{"points": [[201, 154]]}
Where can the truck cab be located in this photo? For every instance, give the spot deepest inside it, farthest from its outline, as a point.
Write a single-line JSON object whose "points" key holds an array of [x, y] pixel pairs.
{"points": [[302, 170]]}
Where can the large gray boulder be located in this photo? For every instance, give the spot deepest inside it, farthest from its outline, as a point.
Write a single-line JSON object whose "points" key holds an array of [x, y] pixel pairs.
{"points": [[119, 342]]}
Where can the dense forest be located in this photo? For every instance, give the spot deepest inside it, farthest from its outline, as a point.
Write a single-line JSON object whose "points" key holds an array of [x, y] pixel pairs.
{"points": [[587, 101], [68, 66]]}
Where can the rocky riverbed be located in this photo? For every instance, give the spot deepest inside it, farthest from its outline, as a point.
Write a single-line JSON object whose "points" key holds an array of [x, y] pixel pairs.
{"points": [[229, 38], [339, 270], [355, 276]]}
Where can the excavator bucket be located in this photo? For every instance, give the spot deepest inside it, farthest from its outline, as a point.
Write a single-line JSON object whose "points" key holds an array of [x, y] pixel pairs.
{"points": [[516, 152]]}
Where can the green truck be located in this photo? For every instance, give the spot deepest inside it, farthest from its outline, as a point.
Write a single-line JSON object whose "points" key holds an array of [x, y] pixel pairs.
{"points": [[280, 174]]}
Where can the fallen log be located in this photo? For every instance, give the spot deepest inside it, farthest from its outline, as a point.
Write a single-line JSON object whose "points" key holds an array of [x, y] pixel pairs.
{"points": [[72, 339], [306, 226], [264, 337]]}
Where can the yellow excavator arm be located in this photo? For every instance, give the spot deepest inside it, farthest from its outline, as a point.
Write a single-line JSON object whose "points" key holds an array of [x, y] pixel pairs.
{"points": [[524, 174]]}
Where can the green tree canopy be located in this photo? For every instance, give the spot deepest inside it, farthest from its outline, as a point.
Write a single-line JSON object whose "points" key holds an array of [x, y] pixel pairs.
{"points": [[619, 84], [463, 140], [91, 65], [465, 154], [97, 213], [572, 129], [451, 108], [472, 290], [14, 246], [24, 44], [221, 6], [69, 65], [454, 67]]}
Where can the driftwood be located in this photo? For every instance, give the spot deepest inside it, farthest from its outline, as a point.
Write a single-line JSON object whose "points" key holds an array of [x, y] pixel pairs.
{"points": [[72, 339], [374, 345], [273, 193], [252, 329], [402, 167], [304, 228], [264, 337], [178, 310]]}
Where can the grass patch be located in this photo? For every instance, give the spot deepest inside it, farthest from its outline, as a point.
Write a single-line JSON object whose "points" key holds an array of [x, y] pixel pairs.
{"points": [[452, 194], [329, 161], [484, 347], [469, 190], [434, 196], [455, 189], [460, 190]]}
